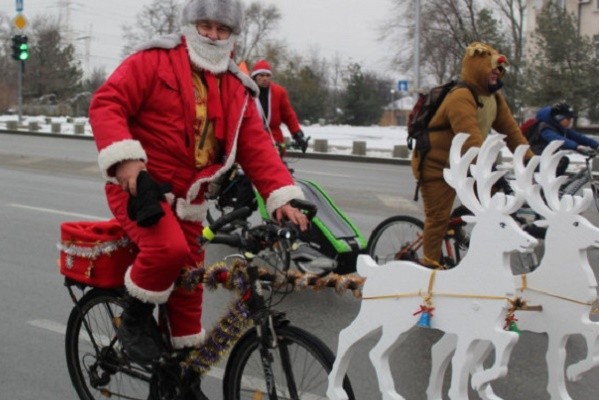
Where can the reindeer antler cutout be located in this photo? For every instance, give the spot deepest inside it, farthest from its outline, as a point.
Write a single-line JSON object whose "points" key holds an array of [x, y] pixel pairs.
{"points": [[572, 204], [457, 174], [524, 183], [483, 175]]}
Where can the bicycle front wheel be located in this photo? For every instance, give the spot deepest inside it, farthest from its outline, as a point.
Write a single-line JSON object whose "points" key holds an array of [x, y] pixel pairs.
{"points": [[300, 366], [396, 238], [97, 366]]}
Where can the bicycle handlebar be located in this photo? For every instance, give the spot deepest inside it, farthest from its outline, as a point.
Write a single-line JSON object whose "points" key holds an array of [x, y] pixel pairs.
{"points": [[210, 231], [255, 238]]}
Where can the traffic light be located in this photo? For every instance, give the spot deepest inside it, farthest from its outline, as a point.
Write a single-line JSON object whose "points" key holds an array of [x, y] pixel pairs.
{"points": [[16, 44], [24, 48], [20, 47]]}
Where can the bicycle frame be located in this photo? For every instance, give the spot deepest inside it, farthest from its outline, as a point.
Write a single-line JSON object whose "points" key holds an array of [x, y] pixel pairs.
{"points": [[582, 177], [451, 249]]}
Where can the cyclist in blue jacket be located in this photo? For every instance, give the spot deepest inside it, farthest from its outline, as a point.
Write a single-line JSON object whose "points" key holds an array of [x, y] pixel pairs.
{"points": [[554, 123]]}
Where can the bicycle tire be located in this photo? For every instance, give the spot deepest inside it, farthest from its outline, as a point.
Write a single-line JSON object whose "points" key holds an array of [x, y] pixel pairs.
{"points": [[101, 371], [390, 238], [312, 361]]}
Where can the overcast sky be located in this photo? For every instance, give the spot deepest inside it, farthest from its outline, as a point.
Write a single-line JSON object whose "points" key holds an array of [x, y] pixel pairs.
{"points": [[343, 27]]}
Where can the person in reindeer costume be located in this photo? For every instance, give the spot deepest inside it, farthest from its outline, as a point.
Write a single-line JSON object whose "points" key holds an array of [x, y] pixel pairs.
{"points": [[180, 112], [475, 106]]}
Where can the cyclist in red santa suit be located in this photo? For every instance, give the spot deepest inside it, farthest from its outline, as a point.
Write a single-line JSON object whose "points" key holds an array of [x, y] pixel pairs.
{"points": [[275, 108], [179, 111]]}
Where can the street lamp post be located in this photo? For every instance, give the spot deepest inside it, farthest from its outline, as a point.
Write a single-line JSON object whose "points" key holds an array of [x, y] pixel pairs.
{"points": [[417, 46], [393, 116]]}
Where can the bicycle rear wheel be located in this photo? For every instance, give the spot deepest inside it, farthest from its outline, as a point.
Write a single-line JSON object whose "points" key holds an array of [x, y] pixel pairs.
{"points": [[300, 364], [400, 238], [396, 238], [97, 366]]}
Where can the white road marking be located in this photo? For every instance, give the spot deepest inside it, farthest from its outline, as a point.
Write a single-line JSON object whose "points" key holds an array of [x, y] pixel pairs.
{"points": [[325, 174], [398, 202], [49, 325], [57, 212], [57, 327]]}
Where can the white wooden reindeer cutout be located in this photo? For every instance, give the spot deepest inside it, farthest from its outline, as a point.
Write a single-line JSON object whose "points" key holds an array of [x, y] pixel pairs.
{"points": [[564, 284], [469, 300]]}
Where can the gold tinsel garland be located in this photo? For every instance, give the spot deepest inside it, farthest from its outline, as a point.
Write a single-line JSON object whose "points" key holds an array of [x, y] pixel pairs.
{"points": [[232, 276]]}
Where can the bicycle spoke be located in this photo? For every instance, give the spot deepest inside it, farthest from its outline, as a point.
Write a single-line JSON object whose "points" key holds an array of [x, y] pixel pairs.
{"points": [[97, 366]]}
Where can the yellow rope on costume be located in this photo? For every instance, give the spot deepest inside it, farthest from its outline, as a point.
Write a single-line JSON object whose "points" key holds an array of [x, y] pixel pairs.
{"points": [[557, 296], [420, 293], [429, 293]]}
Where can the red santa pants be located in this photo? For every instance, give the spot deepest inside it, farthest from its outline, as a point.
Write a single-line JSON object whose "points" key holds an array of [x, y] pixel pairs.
{"points": [[165, 249]]}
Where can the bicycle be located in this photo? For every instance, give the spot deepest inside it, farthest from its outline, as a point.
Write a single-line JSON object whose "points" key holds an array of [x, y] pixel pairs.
{"points": [[583, 176], [271, 360], [399, 237]]}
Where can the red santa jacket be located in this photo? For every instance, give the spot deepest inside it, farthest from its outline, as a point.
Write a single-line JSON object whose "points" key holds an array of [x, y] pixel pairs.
{"points": [[280, 112], [145, 110]]}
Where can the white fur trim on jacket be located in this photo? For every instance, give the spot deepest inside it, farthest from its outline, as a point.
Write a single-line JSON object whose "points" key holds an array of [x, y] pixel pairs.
{"points": [[145, 295], [127, 149], [191, 212], [261, 71], [173, 40], [281, 196], [245, 80], [180, 342]]}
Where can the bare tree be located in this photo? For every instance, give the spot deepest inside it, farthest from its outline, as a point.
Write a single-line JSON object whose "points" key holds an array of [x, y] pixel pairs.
{"points": [[8, 81], [514, 11], [95, 79], [448, 26], [161, 17], [255, 40]]}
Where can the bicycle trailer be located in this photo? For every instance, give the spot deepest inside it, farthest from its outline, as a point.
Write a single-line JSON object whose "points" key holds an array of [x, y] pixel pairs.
{"points": [[331, 232]]}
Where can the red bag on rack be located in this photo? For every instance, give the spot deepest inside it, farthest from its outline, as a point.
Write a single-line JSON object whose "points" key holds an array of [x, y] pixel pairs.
{"points": [[96, 253]]}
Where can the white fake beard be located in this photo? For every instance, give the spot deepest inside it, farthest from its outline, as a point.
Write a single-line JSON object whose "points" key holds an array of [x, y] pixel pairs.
{"points": [[204, 53]]}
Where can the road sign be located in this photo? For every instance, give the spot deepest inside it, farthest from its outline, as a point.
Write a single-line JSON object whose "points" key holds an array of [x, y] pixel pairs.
{"points": [[402, 86], [20, 22], [19, 6]]}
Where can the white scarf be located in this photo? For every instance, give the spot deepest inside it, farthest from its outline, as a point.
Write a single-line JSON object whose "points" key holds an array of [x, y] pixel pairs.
{"points": [[204, 53]]}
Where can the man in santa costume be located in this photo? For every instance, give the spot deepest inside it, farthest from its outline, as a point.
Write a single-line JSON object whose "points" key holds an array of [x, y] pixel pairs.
{"points": [[180, 112], [275, 108]]}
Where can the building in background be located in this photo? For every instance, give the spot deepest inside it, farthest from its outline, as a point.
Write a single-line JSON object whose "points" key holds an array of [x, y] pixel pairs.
{"points": [[585, 11]]}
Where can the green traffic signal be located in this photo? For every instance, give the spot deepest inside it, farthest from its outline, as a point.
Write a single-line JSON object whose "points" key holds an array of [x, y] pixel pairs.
{"points": [[23, 51], [20, 48]]}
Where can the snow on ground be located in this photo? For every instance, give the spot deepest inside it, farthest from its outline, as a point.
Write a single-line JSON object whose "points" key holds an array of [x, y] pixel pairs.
{"points": [[380, 140]]}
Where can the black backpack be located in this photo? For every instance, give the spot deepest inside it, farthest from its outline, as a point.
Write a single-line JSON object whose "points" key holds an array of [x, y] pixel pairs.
{"points": [[423, 111]]}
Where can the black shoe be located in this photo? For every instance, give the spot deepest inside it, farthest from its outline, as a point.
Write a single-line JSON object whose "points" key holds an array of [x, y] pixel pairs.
{"points": [[138, 331], [193, 383]]}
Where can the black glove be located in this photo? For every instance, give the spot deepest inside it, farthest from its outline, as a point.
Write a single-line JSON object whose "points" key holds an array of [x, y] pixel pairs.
{"points": [[145, 208], [300, 140]]}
